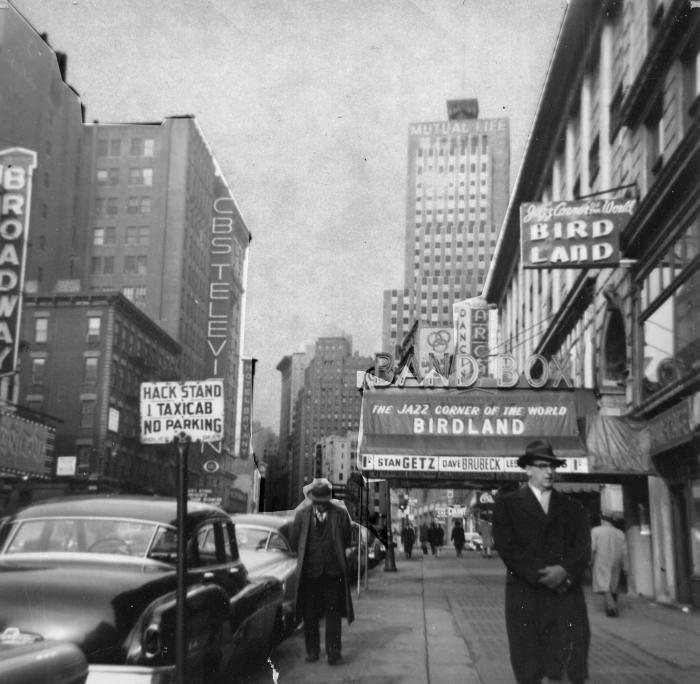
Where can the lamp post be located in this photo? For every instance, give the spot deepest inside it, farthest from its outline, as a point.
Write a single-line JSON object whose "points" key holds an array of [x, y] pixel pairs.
{"points": [[389, 559]]}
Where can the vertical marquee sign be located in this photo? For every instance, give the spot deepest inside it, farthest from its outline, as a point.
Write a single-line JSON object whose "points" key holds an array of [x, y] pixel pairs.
{"points": [[471, 328], [16, 167]]}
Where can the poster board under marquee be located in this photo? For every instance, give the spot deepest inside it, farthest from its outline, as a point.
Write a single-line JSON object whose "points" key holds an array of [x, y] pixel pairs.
{"points": [[451, 433]]}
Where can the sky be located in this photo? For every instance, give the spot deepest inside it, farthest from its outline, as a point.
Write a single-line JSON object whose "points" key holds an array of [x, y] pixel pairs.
{"points": [[306, 105]]}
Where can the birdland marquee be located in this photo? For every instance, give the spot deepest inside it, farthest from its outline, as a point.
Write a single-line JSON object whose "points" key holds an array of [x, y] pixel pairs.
{"points": [[454, 424]]}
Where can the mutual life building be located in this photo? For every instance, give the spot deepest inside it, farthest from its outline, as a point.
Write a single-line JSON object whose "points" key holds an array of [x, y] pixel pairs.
{"points": [[456, 199]]}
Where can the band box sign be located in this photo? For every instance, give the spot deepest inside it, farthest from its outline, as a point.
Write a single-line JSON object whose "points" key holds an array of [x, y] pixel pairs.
{"points": [[576, 234], [193, 407]]}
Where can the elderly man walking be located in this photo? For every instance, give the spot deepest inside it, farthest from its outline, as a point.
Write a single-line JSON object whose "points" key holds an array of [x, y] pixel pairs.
{"points": [[321, 531], [543, 538]]}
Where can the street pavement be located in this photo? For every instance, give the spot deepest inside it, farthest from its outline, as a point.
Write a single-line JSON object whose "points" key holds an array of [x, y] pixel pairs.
{"points": [[439, 620]]}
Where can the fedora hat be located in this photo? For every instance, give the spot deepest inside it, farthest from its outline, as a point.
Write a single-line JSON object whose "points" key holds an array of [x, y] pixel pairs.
{"points": [[539, 450], [320, 490]]}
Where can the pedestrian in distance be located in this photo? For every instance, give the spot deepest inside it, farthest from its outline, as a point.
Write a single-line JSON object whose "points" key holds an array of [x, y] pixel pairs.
{"points": [[544, 540], [457, 537], [439, 538], [423, 538], [609, 560], [321, 531], [408, 538], [433, 533], [486, 532]]}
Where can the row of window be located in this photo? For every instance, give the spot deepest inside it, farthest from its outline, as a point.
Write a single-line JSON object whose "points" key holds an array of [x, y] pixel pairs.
{"points": [[137, 176], [462, 148], [112, 147], [133, 264], [450, 212], [107, 235], [41, 329], [448, 243], [471, 228], [109, 206], [450, 168]]}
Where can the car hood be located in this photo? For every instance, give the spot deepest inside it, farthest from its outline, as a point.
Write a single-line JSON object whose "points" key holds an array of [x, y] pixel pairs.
{"points": [[90, 602]]}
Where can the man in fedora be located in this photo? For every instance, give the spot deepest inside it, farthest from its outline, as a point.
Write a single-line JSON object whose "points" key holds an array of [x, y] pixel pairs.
{"points": [[321, 532], [543, 538]]}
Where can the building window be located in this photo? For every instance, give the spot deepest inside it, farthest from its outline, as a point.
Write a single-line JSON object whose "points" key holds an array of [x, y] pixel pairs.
{"points": [[141, 176], [94, 327], [87, 413], [106, 206], [107, 176], [142, 147], [137, 235], [38, 371], [670, 317], [90, 371], [138, 205], [135, 294], [655, 135], [104, 235], [102, 265], [41, 329], [108, 148], [135, 264]]}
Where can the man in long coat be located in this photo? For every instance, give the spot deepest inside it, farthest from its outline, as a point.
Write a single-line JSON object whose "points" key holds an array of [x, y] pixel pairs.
{"points": [[320, 533], [543, 538], [609, 552]]}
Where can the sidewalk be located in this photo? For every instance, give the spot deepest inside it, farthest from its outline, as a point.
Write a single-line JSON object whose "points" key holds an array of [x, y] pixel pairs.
{"points": [[440, 621]]}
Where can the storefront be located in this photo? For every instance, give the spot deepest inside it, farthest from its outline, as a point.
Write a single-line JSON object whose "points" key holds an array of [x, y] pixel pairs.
{"points": [[675, 452], [26, 450]]}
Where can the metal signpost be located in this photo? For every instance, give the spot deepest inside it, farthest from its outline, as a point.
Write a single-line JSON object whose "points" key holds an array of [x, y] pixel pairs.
{"points": [[180, 413]]}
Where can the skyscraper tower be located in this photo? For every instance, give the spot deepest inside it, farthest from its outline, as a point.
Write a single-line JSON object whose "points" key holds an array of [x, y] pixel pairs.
{"points": [[328, 403], [457, 195]]}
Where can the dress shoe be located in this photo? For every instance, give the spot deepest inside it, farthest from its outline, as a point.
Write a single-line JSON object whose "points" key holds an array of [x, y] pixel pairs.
{"points": [[311, 657], [335, 659]]}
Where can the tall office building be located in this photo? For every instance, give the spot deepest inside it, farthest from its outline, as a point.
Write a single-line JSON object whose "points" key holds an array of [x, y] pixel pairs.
{"points": [[292, 369], [457, 195], [162, 227], [327, 404]]}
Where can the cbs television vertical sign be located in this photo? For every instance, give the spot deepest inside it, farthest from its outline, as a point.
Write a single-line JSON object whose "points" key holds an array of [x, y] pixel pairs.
{"points": [[16, 167]]}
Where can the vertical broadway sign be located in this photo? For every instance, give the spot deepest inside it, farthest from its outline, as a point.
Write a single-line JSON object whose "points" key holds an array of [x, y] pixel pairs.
{"points": [[16, 167]]}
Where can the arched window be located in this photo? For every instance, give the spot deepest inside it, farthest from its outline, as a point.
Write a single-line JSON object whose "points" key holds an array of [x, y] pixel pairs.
{"points": [[614, 358]]}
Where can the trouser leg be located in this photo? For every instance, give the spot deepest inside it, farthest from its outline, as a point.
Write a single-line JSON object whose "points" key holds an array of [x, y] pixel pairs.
{"points": [[334, 595], [311, 598]]}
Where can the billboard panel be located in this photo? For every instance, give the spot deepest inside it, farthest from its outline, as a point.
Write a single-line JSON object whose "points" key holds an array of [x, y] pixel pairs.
{"points": [[576, 234]]}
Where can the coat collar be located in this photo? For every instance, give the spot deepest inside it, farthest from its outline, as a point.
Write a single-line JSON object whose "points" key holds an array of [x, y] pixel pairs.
{"points": [[532, 505]]}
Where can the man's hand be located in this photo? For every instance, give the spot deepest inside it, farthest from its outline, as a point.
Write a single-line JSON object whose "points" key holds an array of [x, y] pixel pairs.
{"points": [[552, 576]]}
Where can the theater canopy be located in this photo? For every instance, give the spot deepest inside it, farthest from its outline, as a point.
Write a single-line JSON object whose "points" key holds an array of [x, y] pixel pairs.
{"points": [[417, 434]]}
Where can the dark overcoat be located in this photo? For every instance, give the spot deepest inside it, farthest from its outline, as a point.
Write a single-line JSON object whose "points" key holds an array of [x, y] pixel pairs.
{"points": [[548, 630], [341, 536]]}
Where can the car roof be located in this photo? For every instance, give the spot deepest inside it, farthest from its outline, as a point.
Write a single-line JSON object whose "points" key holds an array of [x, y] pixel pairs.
{"points": [[139, 507]]}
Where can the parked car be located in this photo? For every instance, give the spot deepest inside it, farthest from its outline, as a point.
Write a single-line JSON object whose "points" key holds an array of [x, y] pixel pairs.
{"points": [[357, 550], [376, 551], [472, 541], [263, 545], [99, 572], [28, 658]]}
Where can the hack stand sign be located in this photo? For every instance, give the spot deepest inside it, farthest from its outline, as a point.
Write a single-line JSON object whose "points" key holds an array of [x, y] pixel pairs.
{"points": [[179, 413]]}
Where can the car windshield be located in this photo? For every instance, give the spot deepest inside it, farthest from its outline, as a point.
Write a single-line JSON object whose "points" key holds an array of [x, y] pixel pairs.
{"points": [[82, 535], [254, 538]]}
